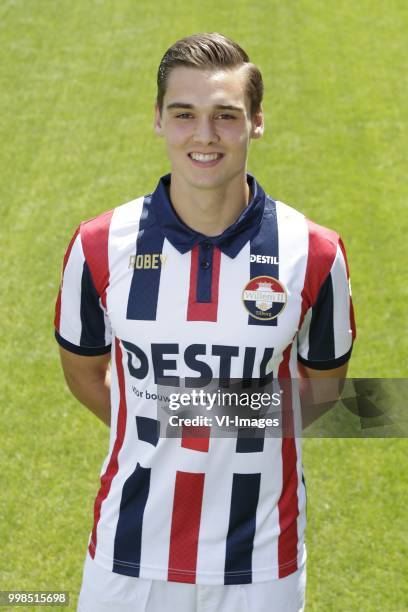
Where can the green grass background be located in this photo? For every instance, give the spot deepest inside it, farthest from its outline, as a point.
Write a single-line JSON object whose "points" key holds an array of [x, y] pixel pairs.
{"points": [[77, 82]]}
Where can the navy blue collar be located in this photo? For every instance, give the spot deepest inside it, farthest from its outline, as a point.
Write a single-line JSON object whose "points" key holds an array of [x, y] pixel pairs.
{"points": [[183, 238]]}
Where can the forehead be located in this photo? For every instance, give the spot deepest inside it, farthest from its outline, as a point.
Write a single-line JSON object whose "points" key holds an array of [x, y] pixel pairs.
{"points": [[206, 87]]}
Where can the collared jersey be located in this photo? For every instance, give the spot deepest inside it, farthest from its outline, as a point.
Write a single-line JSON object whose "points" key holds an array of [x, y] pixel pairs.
{"points": [[173, 305]]}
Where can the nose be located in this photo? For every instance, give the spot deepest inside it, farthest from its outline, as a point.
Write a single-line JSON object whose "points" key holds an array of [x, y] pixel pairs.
{"points": [[205, 132]]}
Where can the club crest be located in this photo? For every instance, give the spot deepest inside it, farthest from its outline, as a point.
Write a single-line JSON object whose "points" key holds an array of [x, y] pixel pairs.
{"points": [[264, 297]]}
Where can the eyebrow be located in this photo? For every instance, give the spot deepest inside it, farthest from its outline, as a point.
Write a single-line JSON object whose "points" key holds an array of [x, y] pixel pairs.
{"points": [[217, 106]]}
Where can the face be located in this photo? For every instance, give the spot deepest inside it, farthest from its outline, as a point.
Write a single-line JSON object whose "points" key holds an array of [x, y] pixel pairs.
{"points": [[207, 125]]}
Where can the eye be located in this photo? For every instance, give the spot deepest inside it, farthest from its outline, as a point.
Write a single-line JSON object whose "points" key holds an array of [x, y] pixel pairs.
{"points": [[184, 116], [225, 116]]}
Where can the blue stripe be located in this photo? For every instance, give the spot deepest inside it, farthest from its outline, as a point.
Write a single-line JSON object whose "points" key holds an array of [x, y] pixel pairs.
{"points": [[241, 530], [144, 289], [250, 440], [148, 430], [204, 273], [321, 331], [128, 538], [266, 243], [91, 313], [265, 378], [248, 369]]}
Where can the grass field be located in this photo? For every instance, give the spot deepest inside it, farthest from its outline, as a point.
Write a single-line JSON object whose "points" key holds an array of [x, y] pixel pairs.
{"points": [[77, 90]]}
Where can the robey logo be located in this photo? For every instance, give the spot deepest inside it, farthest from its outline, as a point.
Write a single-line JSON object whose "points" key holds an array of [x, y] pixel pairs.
{"points": [[147, 261]]}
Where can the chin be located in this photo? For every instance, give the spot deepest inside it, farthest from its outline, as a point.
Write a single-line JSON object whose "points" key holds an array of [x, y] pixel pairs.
{"points": [[207, 182]]}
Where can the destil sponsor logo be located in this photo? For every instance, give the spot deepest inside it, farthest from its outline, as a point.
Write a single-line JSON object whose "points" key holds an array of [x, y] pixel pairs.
{"points": [[166, 360], [268, 259]]}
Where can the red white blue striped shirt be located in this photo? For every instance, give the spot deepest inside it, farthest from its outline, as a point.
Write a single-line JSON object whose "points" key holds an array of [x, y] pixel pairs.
{"points": [[170, 304]]}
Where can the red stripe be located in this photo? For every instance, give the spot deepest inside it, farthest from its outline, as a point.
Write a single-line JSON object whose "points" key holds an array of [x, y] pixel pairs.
{"points": [[321, 255], [57, 320], [95, 236], [199, 311], [113, 465], [288, 505], [196, 438], [185, 527], [352, 319]]}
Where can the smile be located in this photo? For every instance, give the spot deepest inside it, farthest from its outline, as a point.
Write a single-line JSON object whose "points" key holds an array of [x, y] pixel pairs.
{"points": [[205, 157]]}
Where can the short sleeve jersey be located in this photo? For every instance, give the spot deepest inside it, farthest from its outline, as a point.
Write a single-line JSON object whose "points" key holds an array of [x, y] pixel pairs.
{"points": [[173, 305]]}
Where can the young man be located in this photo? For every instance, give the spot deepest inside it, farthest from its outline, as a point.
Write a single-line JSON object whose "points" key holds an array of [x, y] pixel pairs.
{"points": [[205, 278]]}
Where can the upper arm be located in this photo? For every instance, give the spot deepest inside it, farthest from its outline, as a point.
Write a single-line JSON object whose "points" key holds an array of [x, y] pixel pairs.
{"points": [[326, 336], [83, 368], [81, 323], [335, 373], [325, 339], [320, 387]]}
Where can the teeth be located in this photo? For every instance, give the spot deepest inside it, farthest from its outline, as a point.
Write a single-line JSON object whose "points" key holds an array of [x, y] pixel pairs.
{"points": [[204, 157]]}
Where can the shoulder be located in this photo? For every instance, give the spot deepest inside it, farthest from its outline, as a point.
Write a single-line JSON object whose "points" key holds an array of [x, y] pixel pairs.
{"points": [[322, 241], [98, 228], [317, 245], [322, 237], [315, 231], [325, 250], [106, 231], [323, 244]]}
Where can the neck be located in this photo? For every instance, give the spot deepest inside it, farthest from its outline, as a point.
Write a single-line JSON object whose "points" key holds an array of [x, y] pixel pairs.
{"points": [[209, 211]]}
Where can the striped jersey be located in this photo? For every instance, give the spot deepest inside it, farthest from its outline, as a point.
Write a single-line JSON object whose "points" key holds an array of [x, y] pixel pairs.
{"points": [[173, 305]]}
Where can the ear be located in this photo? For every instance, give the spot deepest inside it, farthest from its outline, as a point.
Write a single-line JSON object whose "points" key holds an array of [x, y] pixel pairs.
{"points": [[158, 121], [257, 124]]}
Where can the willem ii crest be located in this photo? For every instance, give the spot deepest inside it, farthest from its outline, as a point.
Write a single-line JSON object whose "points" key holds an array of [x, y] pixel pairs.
{"points": [[264, 297]]}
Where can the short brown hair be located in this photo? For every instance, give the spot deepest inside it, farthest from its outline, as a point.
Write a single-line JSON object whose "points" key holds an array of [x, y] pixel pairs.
{"points": [[209, 51]]}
